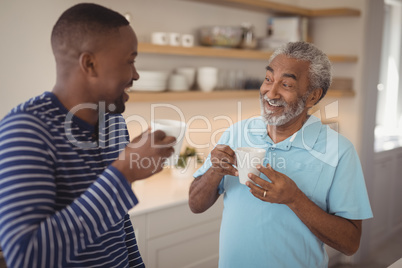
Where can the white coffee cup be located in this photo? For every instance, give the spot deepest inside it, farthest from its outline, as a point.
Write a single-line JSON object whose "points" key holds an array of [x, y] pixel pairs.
{"points": [[207, 78], [187, 40], [159, 38], [248, 158], [173, 128], [174, 39]]}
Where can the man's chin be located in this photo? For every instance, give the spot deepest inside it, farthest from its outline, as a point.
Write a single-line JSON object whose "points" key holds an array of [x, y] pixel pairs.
{"points": [[118, 107], [275, 120]]}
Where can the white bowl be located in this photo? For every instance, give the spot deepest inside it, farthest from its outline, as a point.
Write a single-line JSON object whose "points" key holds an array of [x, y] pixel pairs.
{"points": [[154, 89], [150, 75], [150, 81], [189, 72], [178, 82]]}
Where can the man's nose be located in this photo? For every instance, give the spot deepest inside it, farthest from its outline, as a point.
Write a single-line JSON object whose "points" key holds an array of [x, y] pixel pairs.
{"points": [[270, 91], [136, 75]]}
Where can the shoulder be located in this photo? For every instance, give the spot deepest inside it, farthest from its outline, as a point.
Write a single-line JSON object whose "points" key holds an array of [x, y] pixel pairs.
{"points": [[334, 146], [36, 108], [335, 139], [30, 119], [248, 131]]}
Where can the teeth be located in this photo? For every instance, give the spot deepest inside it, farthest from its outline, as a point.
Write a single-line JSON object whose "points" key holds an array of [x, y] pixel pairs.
{"points": [[273, 104]]}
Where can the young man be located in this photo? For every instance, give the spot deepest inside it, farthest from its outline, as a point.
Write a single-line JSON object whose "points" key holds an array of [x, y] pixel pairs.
{"points": [[311, 189], [65, 190]]}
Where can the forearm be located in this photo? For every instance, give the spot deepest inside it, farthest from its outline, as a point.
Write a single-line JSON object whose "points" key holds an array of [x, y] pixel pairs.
{"points": [[204, 191], [35, 226], [337, 232]]}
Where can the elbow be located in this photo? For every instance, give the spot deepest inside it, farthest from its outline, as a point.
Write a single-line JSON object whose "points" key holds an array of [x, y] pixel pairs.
{"points": [[196, 210], [352, 249], [194, 206]]}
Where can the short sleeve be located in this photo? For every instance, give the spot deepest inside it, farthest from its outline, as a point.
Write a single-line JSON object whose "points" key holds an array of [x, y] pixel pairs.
{"points": [[348, 196], [207, 164]]}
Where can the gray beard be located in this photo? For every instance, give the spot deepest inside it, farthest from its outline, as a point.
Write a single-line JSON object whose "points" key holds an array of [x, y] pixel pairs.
{"points": [[288, 114]]}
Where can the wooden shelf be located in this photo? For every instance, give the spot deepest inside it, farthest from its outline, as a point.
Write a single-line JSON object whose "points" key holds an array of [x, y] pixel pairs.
{"points": [[201, 51], [214, 95], [276, 7]]}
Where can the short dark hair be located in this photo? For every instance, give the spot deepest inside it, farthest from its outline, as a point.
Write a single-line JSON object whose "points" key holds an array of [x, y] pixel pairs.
{"points": [[320, 73], [83, 21]]}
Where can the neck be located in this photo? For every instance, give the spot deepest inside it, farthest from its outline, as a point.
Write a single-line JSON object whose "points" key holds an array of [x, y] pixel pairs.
{"points": [[281, 133], [77, 104]]}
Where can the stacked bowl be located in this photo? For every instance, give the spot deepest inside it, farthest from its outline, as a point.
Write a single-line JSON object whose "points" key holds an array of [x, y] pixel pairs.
{"points": [[151, 81]]}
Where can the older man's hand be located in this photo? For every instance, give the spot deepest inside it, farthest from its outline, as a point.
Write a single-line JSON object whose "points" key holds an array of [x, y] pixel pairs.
{"points": [[281, 189], [223, 158]]}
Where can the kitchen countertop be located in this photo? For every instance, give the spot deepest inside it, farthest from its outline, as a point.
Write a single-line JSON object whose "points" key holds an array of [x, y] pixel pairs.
{"points": [[168, 188]]}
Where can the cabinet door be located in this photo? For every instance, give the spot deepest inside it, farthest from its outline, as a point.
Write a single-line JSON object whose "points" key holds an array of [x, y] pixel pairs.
{"points": [[177, 218], [396, 220], [381, 198], [179, 238], [193, 247], [140, 230]]}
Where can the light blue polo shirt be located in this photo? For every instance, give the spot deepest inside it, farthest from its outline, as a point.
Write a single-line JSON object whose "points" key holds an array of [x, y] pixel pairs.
{"points": [[323, 164]]}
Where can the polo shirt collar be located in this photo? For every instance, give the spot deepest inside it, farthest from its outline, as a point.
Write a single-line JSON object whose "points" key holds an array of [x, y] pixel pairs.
{"points": [[307, 136], [304, 138]]}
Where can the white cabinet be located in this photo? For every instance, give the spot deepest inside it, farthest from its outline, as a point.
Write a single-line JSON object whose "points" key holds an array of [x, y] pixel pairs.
{"points": [[386, 200], [174, 237], [396, 205], [381, 195]]}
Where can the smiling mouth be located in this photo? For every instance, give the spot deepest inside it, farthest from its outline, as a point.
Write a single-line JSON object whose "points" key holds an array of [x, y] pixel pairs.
{"points": [[273, 106]]}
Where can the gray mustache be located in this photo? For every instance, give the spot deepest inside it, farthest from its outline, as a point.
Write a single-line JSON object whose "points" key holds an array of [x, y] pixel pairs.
{"points": [[275, 101]]}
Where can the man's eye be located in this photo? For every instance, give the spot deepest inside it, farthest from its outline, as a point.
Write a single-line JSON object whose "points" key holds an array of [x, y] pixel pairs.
{"points": [[287, 85], [267, 79]]}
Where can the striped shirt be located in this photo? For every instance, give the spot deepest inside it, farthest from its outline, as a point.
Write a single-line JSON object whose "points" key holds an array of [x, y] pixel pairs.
{"points": [[61, 203]]}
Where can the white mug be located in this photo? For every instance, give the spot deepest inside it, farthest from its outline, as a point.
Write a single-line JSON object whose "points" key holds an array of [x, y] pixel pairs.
{"points": [[173, 128], [159, 38], [174, 39], [247, 160], [187, 40], [207, 78]]}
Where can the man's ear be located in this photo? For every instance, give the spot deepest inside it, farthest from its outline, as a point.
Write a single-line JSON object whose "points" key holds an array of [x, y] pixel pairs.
{"points": [[314, 97], [87, 63]]}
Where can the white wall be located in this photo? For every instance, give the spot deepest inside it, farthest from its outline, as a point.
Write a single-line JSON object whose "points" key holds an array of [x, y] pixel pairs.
{"points": [[27, 66]]}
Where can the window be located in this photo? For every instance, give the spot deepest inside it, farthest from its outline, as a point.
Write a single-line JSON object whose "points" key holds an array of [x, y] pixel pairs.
{"points": [[388, 132]]}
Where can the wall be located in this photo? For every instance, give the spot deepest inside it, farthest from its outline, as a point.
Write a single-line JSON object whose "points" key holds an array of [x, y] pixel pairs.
{"points": [[27, 66]]}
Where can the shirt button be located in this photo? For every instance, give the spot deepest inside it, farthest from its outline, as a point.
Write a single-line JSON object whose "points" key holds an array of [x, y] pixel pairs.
{"points": [[272, 149]]}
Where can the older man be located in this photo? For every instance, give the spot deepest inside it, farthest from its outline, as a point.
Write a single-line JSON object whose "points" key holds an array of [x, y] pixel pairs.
{"points": [[65, 192], [311, 190]]}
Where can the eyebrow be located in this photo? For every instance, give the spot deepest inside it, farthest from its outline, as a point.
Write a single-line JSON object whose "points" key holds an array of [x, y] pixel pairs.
{"points": [[283, 75]]}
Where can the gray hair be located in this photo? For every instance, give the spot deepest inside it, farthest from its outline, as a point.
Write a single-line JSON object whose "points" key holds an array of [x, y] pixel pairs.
{"points": [[320, 67]]}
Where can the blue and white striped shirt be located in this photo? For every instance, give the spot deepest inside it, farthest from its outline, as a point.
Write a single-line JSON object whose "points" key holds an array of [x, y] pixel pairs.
{"points": [[61, 203]]}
